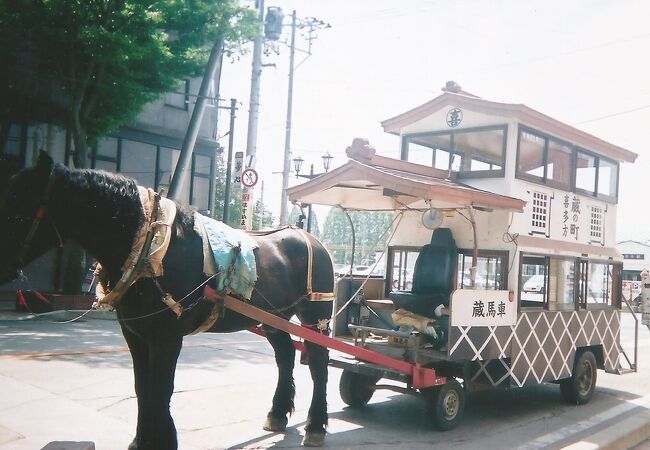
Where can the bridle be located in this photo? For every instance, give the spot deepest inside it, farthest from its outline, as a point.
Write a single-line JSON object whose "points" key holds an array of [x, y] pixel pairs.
{"points": [[38, 218]]}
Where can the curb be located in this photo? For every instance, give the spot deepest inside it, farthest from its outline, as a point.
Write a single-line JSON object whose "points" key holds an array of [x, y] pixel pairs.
{"points": [[622, 435], [60, 315]]}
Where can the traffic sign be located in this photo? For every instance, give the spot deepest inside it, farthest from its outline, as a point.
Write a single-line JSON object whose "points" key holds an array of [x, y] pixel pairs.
{"points": [[249, 177]]}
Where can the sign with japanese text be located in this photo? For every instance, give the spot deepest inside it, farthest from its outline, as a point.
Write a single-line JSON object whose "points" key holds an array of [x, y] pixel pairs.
{"points": [[238, 169], [477, 307]]}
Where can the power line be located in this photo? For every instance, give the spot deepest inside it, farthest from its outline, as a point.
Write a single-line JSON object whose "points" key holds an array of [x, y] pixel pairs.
{"points": [[620, 113]]}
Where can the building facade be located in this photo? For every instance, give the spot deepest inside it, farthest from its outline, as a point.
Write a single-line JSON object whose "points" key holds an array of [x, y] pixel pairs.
{"points": [[146, 150]]}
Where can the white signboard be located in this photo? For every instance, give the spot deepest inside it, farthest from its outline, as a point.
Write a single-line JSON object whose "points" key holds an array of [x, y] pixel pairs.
{"points": [[477, 307], [238, 169]]}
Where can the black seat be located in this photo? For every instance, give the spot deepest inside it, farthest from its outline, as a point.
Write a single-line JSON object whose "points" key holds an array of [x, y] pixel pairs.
{"points": [[433, 276]]}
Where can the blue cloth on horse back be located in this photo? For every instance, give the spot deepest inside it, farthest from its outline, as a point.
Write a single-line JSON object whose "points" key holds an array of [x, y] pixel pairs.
{"points": [[233, 255]]}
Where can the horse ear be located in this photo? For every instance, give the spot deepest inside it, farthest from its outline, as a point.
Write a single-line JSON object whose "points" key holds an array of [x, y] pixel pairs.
{"points": [[44, 160]]}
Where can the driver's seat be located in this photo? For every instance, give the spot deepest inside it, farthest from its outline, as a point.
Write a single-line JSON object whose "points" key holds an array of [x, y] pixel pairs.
{"points": [[433, 276]]}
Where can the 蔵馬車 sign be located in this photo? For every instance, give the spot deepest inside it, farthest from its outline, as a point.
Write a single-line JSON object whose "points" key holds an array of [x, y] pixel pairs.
{"points": [[474, 307]]}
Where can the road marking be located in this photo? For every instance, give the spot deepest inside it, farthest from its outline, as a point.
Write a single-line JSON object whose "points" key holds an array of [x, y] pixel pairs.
{"points": [[549, 439]]}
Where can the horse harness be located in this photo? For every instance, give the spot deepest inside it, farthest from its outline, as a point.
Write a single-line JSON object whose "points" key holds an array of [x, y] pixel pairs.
{"points": [[36, 222]]}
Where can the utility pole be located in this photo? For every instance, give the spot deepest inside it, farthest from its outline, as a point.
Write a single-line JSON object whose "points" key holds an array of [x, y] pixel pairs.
{"points": [[195, 121], [228, 187], [312, 24], [287, 136], [256, 75]]}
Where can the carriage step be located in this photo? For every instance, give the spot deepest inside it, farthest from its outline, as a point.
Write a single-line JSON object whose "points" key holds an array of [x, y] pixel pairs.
{"points": [[622, 371]]}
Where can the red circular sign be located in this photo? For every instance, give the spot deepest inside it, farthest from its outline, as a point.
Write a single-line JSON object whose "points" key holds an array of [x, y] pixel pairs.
{"points": [[249, 177]]}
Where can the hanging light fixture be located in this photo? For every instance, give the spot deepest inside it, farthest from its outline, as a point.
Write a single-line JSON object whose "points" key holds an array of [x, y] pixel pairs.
{"points": [[297, 164], [327, 161]]}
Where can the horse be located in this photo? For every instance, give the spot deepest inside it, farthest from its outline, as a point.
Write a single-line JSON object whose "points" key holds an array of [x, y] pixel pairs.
{"points": [[45, 205]]}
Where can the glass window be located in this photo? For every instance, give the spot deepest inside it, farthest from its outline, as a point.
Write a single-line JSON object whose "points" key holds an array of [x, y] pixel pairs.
{"points": [[599, 284], [607, 178], [109, 166], [420, 154], [12, 145], [489, 273], [463, 151], [480, 150], [139, 162], [561, 284], [107, 148], [166, 166], [558, 164], [533, 285], [531, 154], [402, 262], [201, 193], [585, 172]]}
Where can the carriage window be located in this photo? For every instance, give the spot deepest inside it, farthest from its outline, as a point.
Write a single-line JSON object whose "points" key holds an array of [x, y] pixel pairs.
{"points": [[402, 261], [561, 282], [596, 283], [471, 152], [558, 164], [531, 155], [607, 178], [490, 272], [533, 281], [586, 172], [13, 143]]}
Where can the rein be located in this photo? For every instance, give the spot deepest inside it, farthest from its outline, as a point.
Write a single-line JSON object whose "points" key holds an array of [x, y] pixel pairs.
{"points": [[40, 214]]}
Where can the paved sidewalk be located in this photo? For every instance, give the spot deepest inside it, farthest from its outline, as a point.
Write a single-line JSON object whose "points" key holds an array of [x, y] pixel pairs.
{"points": [[74, 382]]}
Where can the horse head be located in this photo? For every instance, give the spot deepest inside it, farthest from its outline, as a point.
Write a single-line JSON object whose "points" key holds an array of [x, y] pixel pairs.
{"points": [[26, 231]]}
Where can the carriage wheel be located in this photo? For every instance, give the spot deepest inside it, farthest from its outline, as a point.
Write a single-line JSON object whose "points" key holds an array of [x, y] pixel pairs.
{"points": [[446, 405], [578, 389], [356, 389]]}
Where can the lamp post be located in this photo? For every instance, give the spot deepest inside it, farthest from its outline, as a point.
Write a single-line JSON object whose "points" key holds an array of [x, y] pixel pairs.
{"points": [[297, 165]]}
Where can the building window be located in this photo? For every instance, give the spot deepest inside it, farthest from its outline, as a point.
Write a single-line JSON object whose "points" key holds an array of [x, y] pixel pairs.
{"points": [[543, 160], [201, 187], [106, 154], [633, 256], [179, 99], [476, 152], [138, 161]]}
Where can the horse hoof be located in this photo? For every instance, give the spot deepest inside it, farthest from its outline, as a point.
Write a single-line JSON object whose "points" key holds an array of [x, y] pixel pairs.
{"points": [[313, 439], [275, 424]]}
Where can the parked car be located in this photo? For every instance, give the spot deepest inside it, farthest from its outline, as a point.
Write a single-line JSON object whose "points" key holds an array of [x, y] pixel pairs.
{"points": [[535, 284]]}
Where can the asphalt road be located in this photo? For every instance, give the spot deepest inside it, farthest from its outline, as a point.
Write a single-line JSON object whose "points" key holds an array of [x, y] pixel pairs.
{"points": [[74, 382]]}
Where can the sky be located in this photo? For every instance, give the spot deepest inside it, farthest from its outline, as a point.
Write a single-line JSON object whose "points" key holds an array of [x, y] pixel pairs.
{"points": [[585, 63]]}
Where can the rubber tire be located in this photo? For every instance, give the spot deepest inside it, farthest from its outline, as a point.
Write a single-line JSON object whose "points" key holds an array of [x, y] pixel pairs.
{"points": [[446, 405], [579, 388], [356, 389]]}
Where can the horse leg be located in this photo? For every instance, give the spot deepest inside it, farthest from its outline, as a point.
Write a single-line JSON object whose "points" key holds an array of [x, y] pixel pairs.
{"points": [[317, 418], [285, 354], [140, 356], [154, 367], [163, 355]]}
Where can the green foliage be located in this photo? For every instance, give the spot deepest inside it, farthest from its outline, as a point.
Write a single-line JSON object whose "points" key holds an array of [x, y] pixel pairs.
{"points": [[220, 196], [368, 227], [262, 216], [93, 64]]}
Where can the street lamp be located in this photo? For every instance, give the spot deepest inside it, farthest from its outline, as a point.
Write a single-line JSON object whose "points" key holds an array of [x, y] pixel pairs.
{"points": [[297, 165]]}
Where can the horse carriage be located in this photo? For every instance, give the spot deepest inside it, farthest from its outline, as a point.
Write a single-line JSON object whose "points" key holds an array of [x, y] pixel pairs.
{"points": [[503, 291]]}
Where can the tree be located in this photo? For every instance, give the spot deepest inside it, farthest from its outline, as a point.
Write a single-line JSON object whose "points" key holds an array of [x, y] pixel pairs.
{"points": [[368, 227], [92, 65], [220, 196], [262, 216]]}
